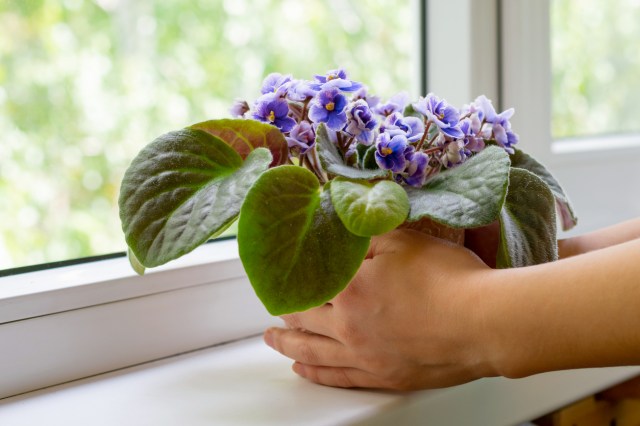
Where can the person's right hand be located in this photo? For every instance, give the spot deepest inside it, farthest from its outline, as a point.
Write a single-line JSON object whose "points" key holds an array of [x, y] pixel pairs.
{"points": [[411, 318]]}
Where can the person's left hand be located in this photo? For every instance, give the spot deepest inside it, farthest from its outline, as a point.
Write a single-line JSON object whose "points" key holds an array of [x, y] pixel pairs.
{"points": [[410, 319]]}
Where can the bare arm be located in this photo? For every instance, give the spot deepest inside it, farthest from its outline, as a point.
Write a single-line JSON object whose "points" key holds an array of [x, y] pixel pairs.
{"points": [[605, 237], [583, 311]]}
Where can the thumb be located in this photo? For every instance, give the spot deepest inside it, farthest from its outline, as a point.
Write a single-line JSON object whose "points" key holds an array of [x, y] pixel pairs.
{"points": [[398, 240]]}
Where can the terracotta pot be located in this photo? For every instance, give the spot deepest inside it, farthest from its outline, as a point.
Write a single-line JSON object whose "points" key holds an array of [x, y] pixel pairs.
{"points": [[436, 229]]}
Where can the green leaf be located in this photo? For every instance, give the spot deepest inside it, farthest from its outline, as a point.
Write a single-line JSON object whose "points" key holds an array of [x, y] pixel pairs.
{"points": [[368, 209], [410, 111], [524, 161], [246, 135], [527, 222], [135, 263], [466, 196], [361, 151], [294, 248], [369, 160], [333, 163], [182, 189]]}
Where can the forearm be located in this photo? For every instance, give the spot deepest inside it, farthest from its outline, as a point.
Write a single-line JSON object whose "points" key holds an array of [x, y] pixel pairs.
{"points": [[574, 313], [606, 237]]}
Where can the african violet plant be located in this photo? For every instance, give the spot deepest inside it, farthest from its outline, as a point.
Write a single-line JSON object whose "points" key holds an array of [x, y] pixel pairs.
{"points": [[314, 169]]}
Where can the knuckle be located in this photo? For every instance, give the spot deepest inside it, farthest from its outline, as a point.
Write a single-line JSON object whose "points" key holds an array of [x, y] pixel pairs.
{"points": [[375, 364], [349, 332], [307, 354], [292, 321], [343, 379]]}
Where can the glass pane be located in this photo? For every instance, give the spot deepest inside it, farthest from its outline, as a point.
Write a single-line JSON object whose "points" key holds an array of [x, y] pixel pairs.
{"points": [[595, 57], [84, 84]]}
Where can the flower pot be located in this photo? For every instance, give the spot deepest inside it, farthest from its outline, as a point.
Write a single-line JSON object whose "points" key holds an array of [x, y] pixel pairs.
{"points": [[435, 229]]}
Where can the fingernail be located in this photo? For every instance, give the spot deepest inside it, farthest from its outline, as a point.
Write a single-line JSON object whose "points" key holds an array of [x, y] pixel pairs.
{"points": [[268, 338]]}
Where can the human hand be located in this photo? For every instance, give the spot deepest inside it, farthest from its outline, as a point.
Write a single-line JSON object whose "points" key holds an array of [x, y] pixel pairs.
{"points": [[411, 318]]}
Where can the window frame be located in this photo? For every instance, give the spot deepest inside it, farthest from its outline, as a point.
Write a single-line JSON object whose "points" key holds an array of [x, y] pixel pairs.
{"points": [[585, 166]]}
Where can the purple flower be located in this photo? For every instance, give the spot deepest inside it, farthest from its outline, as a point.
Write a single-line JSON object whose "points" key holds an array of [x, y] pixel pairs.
{"points": [[328, 107], [395, 104], [390, 152], [360, 122], [275, 83], [472, 141], [239, 108], [302, 136], [454, 153], [300, 90], [505, 137], [273, 109], [363, 93], [500, 124], [439, 112], [415, 172], [335, 79], [411, 127]]}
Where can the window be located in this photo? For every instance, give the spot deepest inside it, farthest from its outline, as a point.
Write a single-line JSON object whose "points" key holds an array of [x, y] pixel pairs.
{"points": [[84, 84], [595, 67], [559, 93]]}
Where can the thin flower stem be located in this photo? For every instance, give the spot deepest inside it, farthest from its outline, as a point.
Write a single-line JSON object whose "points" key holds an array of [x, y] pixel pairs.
{"points": [[424, 136], [314, 165], [305, 106], [432, 140], [434, 149]]}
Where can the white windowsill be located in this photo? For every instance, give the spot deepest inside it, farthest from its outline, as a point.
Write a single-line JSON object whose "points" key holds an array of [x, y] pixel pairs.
{"points": [[246, 383], [61, 289], [68, 323]]}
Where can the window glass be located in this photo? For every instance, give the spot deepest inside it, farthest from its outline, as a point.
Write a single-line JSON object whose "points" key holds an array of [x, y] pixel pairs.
{"points": [[84, 84], [595, 56]]}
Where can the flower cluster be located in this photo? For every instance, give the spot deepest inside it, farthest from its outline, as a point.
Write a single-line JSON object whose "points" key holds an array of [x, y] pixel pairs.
{"points": [[413, 141]]}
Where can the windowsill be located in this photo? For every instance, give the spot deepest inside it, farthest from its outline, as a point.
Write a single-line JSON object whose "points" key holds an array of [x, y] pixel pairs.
{"points": [[246, 383]]}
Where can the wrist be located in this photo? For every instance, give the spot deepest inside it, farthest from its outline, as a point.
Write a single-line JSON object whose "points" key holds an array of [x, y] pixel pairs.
{"points": [[483, 306], [505, 336], [570, 247]]}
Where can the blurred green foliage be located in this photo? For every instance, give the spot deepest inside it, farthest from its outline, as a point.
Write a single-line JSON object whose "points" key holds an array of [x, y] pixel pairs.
{"points": [[595, 56], [84, 84]]}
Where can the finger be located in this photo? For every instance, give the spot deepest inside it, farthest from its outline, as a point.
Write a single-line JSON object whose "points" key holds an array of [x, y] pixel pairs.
{"points": [[338, 376], [309, 348], [317, 320]]}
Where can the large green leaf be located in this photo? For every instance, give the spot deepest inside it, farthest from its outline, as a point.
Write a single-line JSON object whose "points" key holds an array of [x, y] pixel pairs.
{"points": [[182, 189], [246, 135], [333, 163], [294, 248], [524, 161], [466, 196], [368, 209], [527, 222]]}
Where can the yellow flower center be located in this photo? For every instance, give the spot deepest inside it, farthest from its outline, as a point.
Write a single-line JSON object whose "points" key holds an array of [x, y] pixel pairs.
{"points": [[272, 117], [441, 115], [331, 77], [386, 151], [330, 106]]}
